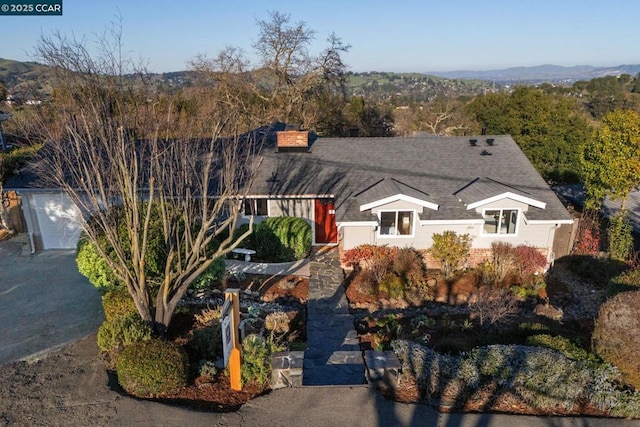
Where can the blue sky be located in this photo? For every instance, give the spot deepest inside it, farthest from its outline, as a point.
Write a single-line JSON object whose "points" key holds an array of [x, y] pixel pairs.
{"points": [[420, 36]]}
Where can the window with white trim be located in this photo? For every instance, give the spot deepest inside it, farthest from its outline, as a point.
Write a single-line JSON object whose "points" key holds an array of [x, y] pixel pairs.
{"points": [[256, 207], [396, 223], [500, 221]]}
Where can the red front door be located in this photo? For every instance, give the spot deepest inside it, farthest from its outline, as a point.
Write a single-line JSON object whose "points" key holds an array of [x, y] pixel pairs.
{"points": [[325, 216]]}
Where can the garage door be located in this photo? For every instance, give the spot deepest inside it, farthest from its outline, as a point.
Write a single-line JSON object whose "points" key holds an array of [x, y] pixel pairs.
{"points": [[59, 220]]}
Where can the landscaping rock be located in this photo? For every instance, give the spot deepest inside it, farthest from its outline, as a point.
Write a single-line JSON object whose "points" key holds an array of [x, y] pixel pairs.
{"points": [[549, 311]]}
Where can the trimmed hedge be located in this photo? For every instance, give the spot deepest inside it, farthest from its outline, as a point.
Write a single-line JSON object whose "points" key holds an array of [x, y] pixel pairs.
{"points": [[277, 239], [96, 269], [153, 367], [123, 331], [118, 303], [294, 234]]}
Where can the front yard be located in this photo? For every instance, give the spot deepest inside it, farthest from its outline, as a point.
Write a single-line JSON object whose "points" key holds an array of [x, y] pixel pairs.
{"points": [[273, 312], [467, 343]]}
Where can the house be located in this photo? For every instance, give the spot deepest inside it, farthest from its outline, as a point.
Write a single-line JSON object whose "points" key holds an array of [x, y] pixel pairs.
{"points": [[382, 191], [401, 191]]}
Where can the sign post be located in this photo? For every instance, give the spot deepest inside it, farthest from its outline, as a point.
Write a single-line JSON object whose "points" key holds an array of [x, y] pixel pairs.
{"points": [[230, 336]]}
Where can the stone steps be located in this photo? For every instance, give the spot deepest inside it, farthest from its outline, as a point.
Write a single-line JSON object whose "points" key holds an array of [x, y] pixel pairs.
{"points": [[333, 355]]}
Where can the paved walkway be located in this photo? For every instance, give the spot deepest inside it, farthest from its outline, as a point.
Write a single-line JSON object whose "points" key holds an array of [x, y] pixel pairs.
{"points": [[299, 268], [333, 355]]}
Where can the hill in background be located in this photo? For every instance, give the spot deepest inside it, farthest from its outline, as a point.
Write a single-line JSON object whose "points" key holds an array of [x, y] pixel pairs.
{"points": [[541, 73]]}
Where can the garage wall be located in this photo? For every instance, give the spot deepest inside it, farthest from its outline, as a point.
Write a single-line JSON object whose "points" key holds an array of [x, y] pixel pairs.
{"points": [[55, 219]]}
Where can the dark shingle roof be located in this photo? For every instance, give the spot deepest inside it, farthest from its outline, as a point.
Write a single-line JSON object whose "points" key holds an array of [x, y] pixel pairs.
{"points": [[388, 187], [432, 168], [483, 188]]}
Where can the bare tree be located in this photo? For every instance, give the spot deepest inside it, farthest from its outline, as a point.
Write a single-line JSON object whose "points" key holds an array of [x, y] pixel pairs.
{"points": [[126, 155], [298, 75]]}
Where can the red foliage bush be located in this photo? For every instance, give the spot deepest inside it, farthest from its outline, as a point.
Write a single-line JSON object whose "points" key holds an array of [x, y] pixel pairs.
{"points": [[529, 260], [589, 238], [363, 254], [356, 256]]}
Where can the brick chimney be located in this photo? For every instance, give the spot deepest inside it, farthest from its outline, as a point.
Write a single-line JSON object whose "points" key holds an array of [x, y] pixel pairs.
{"points": [[293, 139]]}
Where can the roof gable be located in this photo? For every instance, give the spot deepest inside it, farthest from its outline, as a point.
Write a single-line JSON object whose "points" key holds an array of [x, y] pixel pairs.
{"points": [[482, 191], [387, 190]]}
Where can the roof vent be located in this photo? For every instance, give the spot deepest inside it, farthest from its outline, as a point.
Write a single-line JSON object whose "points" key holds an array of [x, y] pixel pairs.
{"points": [[473, 142], [490, 141], [485, 153]]}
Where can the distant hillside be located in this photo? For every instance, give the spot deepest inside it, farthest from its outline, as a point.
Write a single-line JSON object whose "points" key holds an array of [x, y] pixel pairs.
{"points": [[541, 73], [24, 77], [413, 87]]}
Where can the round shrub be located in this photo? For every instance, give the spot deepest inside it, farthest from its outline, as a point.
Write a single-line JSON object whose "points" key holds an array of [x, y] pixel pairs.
{"points": [[151, 368], [616, 337], [118, 303], [392, 285], [256, 365], [207, 342], [122, 331], [294, 234], [93, 266]]}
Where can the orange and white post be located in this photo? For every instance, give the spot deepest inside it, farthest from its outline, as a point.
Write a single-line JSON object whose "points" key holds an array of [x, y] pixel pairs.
{"points": [[235, 359]]}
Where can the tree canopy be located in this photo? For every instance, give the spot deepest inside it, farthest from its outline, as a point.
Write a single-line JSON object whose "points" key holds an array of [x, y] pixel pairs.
{"points": [[547, 127], [611, 159]]}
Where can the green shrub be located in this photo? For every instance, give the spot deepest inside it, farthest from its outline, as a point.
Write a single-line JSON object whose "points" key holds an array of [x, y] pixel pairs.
{"points": [[207, 342], [247, 242], [268, 246], [450, 249], [565, 346], [151, 368], [96, 268], [212, 274], [122, 331], [93, 266], [616, 337], [596, 270], [294, 234], [627, 281], [118, 303], [620, 237], [392, 285], [256, 362]]}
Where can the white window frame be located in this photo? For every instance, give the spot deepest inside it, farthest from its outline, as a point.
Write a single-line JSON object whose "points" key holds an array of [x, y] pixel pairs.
{"points": [[514, 234], [254, 202], [414, 217]]}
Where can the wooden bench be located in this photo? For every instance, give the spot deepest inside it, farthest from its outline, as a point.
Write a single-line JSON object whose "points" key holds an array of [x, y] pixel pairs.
{"points": [[242, 251]]}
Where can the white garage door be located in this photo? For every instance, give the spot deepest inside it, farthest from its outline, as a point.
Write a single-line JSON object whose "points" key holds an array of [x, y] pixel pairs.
{"points": [[59, 220]]}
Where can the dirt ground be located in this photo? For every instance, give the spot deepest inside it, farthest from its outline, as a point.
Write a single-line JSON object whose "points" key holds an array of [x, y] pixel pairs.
{"points": [[71, 384]]}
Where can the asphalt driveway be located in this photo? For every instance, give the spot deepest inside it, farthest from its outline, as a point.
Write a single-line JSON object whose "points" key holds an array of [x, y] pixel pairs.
{"points": [[44, 302]]}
